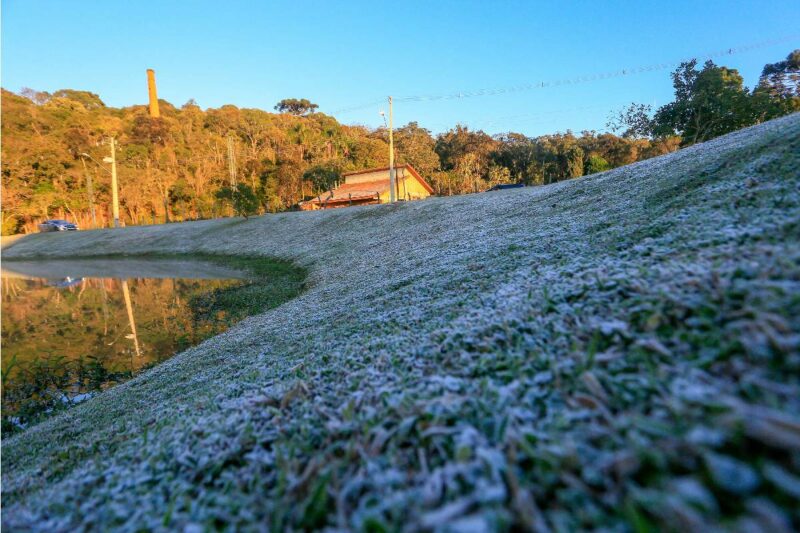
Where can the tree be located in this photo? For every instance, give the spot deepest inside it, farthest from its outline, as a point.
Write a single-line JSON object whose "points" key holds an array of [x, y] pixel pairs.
{"points": [[596, 164], [572, 161], [778, 90], [783, 78], [467, 154], [85, 98], [37, 97], [517, 153], [634, 121], [498, 174], [322, 178], [172, 166], [148, 130], [242, 198], [180, 196], [708, 103], [416, 146], [295, 106]]}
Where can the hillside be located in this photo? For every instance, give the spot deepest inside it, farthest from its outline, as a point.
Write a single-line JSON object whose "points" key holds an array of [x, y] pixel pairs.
{"points": [[620, 350], [172, 167], [179, 165]]}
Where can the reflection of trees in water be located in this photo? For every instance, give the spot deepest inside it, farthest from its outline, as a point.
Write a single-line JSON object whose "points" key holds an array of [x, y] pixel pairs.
{"points": [[85, 337]]}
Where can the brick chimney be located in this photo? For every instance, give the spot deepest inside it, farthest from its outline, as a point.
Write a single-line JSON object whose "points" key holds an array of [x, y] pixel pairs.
{"points": [[151, 90]]}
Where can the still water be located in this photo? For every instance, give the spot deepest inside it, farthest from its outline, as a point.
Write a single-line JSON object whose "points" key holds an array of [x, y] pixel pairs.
{"points": [[73, 328]]}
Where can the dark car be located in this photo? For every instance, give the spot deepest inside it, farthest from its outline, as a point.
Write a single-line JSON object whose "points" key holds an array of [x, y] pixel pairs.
{"points": [[504, 186], [57, 225]]}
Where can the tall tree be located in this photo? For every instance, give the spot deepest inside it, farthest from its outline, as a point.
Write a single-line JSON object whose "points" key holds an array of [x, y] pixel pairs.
{"points": [[322, 178], [295, 106], [416, 146], [634, 121], [467, 154], [778, 90], [708, 103], [783, 78], [517, 153]]}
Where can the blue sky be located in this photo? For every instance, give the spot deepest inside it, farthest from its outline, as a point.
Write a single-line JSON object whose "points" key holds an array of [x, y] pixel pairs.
{"points": [[349, 53]]}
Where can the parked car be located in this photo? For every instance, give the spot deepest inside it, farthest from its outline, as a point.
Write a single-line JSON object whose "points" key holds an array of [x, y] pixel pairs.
{"points": [[504, 186], [57, 225]]}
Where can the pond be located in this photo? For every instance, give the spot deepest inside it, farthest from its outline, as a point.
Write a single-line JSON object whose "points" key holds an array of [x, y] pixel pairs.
{"points": [[71, 329]]}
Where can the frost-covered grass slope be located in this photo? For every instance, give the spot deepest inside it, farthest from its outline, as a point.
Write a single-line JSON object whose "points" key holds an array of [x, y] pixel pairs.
{"points": [[618, 351]]}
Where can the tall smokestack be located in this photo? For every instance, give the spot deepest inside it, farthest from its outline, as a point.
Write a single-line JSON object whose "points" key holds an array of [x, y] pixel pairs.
{"points": [[151, 90]]}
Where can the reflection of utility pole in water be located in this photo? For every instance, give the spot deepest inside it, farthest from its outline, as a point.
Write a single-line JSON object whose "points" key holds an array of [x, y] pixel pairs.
{"points": [[126, 293], [105, 308]]}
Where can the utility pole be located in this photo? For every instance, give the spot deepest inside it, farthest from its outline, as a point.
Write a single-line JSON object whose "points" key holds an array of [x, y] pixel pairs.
{"points": [[114, 188], [231, 163], [114, 191], [392, 192], [90, 190]]}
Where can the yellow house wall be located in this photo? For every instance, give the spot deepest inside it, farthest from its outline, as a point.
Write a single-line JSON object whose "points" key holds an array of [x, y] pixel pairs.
{"points": [[411, 189], [407, 184], [408, 188]]}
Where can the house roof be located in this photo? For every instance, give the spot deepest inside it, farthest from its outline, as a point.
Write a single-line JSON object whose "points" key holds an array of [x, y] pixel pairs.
{"points": [[365, 189], [411, 169], [352, 191]]}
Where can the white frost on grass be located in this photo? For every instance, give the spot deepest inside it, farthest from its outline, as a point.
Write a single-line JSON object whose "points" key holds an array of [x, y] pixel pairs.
{"points": [[619, 348]]}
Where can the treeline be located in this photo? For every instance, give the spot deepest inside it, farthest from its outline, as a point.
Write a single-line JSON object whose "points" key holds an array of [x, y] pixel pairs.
{"points": [[176, 167], [172, 168], [713, 101]]}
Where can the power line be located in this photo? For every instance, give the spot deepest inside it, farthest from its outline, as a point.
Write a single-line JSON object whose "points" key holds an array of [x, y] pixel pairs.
{"points": [[778, 76], [359, 107], [572, 81], [596, 76], [541, 118], [546, 117], [556, 113]]}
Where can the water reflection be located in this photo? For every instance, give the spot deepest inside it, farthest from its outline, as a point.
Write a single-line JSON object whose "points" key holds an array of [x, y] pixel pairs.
{"points": [[68, 338]]}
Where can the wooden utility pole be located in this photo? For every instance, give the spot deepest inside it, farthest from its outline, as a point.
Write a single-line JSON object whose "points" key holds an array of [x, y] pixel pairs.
{"points": [[231, 162], [114, 188], [232, 170], [90, 191], [392, 181]]}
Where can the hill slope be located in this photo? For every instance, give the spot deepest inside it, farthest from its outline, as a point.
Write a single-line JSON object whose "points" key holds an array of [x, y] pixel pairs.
{"points": [[623, 348]]}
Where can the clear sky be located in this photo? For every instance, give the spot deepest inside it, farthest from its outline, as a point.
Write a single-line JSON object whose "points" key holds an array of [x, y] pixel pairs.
{"points": [[346, 53]]}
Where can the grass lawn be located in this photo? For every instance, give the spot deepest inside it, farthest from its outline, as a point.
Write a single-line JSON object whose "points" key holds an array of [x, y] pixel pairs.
{"points": [[616, 352]]}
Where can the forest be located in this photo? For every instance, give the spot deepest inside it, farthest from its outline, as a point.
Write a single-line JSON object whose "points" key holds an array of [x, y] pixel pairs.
{"points": [[176, 167]]}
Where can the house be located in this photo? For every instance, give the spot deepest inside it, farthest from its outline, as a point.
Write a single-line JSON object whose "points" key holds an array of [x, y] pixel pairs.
{"points": [[371, 187]]}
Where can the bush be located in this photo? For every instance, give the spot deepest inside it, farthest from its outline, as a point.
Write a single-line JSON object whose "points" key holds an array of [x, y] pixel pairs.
{"points": [[242, 198], [596, 164]]}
